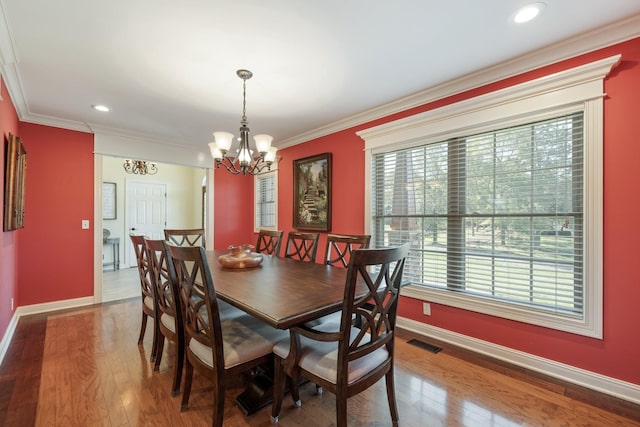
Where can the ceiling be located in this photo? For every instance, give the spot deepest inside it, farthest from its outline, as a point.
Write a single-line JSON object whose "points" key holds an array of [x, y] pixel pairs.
{"points": [[167, 69]]}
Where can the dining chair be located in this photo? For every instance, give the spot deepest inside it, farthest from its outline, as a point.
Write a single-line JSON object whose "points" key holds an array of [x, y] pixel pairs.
{"points": [[195, 237], [343, 245], [269, 242], [185, 237], [215, 347], [149, 302], [169, 309], [350, 359], [302, 246]]}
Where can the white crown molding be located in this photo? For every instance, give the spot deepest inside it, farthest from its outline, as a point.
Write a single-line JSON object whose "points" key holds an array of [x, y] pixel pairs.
{"points": [[606, 36], [575, 85], [7, 48], [594, 381], [140, 136], [118, 143]]}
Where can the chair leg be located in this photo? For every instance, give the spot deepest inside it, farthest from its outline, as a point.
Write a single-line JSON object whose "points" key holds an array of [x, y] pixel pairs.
{"points": [[341, 408], [143, 328], [278, 388], [177, 373], [218, 402], [391, 396], [159, 351], [154, 346], [294, 390], [188, 378]]}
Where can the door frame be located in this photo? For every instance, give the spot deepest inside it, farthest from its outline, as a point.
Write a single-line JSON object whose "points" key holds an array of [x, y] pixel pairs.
{"points": [[97, 217]]}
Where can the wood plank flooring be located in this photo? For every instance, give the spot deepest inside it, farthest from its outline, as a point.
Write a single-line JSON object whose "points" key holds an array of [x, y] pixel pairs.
{"points": [[83, 367]]}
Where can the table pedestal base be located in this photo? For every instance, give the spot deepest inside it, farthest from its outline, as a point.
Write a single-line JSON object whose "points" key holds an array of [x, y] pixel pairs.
{"points": [[259, 392]]}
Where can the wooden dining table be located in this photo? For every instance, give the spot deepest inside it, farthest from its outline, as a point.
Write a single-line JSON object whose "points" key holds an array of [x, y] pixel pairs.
{"points": [[283, 293]]}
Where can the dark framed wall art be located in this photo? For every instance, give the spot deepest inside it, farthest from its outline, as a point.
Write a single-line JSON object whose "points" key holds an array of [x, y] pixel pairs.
{"points": [[312, 193], [15, 171]]}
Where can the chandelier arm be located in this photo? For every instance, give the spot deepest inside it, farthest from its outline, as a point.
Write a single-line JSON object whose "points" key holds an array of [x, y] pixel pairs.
{"points": [[228, 165], [257, 169]]}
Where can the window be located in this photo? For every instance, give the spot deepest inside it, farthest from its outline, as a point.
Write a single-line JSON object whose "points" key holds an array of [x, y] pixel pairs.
{"points": [[500, 197], [266, 203], [497, 214]]}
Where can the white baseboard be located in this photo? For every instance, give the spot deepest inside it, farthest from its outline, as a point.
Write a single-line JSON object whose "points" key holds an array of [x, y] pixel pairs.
{"points": [[8, 335], [37, 309], [601, 383]]}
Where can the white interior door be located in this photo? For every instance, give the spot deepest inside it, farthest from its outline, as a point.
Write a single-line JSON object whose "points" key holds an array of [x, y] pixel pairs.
{"points": [[146, 206]]}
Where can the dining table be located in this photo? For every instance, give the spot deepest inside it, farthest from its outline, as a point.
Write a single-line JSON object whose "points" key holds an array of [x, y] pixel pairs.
{"points": [[283, 293]]}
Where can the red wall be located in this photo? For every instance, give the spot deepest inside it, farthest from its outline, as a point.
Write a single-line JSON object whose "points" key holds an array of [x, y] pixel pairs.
{"points": [[9, 239], [618, 353], [55, 256], [347, 179], [233, 209]]}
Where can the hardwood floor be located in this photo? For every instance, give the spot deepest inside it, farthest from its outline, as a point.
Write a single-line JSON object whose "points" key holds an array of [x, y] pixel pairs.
{"points": [[83, 367]]}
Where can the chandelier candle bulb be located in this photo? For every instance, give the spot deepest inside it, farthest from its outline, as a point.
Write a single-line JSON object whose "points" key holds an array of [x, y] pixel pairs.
{"points": [[270, 156], [216, 153], [263, 143], [223, 141]]}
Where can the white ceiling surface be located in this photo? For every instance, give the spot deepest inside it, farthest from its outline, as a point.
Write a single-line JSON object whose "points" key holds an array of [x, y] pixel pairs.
{"points": [[167, 68]]}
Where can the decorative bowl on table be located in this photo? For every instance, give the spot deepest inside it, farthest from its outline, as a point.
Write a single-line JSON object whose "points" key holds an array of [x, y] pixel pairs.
{"points": [[240, 257]]}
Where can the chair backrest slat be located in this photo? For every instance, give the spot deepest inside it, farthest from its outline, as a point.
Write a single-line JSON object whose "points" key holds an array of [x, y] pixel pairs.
{"points": [[185, 237], [343, 245], [144, 267], [269, 242], [166, 291], [302, 246]]}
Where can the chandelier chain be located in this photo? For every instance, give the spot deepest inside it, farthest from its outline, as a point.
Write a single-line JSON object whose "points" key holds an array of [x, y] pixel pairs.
{"points": [[244, 120]]}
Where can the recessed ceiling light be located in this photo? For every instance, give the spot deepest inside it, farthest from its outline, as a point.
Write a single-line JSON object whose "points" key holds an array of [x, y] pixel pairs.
{"points": [[99, 107], [528, 12]]}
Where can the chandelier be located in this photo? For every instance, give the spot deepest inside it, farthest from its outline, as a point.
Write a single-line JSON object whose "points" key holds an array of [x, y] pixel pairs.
{"points": [[242, 160], [140, 167]]}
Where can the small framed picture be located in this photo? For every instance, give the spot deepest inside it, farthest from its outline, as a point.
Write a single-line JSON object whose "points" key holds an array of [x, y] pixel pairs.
{"points": [[312, 193], [109, 200]]}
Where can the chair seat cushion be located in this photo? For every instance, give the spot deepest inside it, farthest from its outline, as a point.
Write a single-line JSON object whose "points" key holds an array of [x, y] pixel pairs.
{"points": [[227, 311], [169, 322], [245, 338], [333, 318], [321, 358], [148, 301]]}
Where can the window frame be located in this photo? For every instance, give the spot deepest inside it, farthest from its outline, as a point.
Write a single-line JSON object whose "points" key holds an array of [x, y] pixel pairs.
{"points": [[256, 191], [576, 89]]}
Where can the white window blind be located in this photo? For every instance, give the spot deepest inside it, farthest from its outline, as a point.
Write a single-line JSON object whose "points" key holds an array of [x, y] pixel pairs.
{"points": [[266, 201], [502, 199], [497, 214]]}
